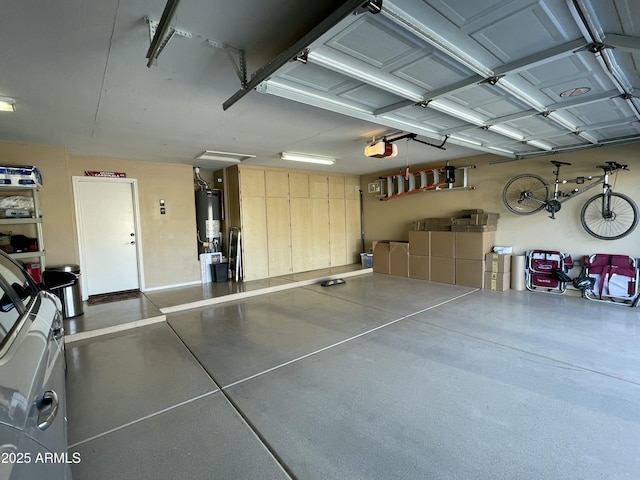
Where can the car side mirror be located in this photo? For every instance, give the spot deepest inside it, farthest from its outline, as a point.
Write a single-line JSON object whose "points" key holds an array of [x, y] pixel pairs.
{"points": [[6, 303]]}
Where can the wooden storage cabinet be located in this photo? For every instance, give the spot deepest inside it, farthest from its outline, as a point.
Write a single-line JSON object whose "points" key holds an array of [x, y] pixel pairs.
{"points": [[31, 227], [279, 236], [294, 221], [338, 231]]}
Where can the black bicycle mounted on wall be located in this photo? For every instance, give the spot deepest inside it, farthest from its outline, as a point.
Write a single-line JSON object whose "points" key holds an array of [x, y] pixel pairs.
{"points": [[608, 215]]}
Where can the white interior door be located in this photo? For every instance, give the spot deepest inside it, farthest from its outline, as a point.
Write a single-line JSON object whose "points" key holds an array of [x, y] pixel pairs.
{"points": [[106, 213]]}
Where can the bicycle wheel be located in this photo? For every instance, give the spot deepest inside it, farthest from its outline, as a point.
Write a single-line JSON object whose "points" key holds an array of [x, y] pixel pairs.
{"points": [[525, 194], [621, 220]]}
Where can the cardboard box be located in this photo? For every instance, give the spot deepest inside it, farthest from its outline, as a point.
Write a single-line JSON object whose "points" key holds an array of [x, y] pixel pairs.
{"points": [[420, 267], [442, 244], [473, 245], [497, 281], [437, 224], [485, 218], [472, 211], [474, 228], [420, 243], [461, 221], [381, 260], [443, 270], [476, 221], [470, 273], [497, 263], [399, 259]]}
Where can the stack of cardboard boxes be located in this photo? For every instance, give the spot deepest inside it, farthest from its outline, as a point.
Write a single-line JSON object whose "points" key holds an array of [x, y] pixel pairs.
{"points": [[497, 275], [461, 256], [420, 255], [475, 221], [391, 258], [443, 265], [470, 251]]}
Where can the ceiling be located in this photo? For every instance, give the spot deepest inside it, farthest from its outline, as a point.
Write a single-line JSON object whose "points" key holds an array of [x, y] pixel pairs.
{"points": [[516, 78]]}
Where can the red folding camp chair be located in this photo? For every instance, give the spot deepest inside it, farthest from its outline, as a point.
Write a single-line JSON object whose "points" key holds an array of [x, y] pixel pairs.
{"points": [[616, 278], [541, 271]]}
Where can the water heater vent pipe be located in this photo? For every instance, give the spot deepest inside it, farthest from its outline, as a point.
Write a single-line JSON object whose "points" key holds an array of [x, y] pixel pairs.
{"points": [[199, 180]]}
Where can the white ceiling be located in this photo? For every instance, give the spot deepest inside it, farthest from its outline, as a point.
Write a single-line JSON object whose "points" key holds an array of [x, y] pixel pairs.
{"points": [[79, 74]]}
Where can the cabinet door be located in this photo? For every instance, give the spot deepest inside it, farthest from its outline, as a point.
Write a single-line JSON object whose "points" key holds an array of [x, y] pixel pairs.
{"points": [[310, 247], [352, 218], [299, 185], [336, 187], [320, 237], [254, 238], [276, 184], [279, 235], [352, 188], [353, 230], [301, 235], [251, 182], [318, 186], [337, 231]]}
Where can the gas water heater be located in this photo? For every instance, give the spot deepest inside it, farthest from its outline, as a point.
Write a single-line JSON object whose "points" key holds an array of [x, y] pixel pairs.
{"points": [[208, 216]]}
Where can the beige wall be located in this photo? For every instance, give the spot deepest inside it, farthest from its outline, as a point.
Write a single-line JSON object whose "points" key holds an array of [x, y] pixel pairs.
{"points": [[390, 220], [168, 241], [56, 199]]}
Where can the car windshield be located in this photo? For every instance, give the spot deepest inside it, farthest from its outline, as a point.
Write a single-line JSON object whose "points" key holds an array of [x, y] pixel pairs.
{"points": [[17, 291]]}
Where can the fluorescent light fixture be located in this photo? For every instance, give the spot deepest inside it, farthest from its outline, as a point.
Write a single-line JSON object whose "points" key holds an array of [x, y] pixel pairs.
{"points": [[558, 117], [454, 112], [519, 94], [301, 157], [223, 156], [502, 150], [343, 63], [506, 132], [465, 140], [7, 104], [540, 145]]}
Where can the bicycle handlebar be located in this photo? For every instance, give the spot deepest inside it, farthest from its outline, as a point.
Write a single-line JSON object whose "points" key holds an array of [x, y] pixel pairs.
{"points": [[612, 166]]}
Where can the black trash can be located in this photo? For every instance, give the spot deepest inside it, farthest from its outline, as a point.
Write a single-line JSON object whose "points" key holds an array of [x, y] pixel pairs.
{"points": [[220, 272], [70, 297]]}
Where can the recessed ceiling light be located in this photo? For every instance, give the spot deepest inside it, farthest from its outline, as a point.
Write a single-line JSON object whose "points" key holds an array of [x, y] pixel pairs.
{"points": [[7, 104], [574, 92], [223, 156]]}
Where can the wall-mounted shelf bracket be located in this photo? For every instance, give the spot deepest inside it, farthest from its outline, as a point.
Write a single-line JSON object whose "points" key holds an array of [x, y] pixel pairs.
{"points": [[161, 42], [238, 60]]}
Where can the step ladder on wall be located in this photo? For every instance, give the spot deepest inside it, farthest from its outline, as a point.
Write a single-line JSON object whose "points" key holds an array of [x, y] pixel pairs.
{"points": [[410, 182], [235, 255]]}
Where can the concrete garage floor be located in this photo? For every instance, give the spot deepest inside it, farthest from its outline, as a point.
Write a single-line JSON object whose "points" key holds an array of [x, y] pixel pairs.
{"points": [[381, 378]]}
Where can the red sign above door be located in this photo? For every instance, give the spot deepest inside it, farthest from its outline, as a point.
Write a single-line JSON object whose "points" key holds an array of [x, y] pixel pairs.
{"points": [[90, 173]]}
